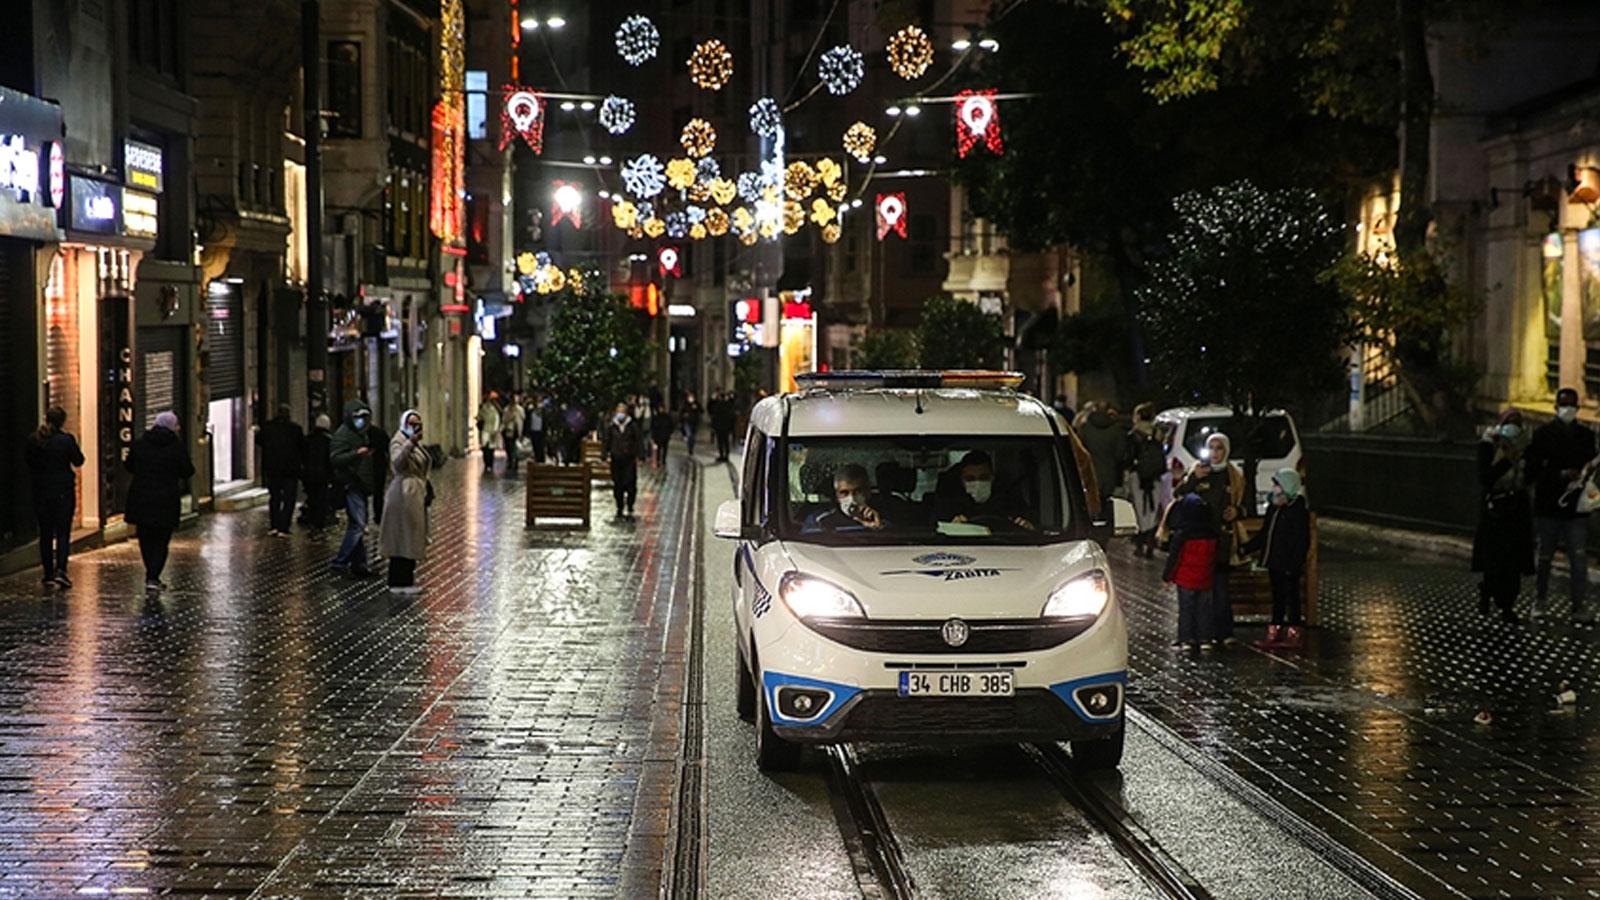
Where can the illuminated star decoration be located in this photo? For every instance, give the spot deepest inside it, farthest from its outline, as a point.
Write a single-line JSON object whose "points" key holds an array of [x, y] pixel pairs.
{"points": [[566, 203], [841, 69], [765, 117], [698, 137], [859, 141], [910, 52], [522, 115], [891, 210], [977, 118], [711, 65], [643, 176], [637, 40], [670, 261], [617, 114]]}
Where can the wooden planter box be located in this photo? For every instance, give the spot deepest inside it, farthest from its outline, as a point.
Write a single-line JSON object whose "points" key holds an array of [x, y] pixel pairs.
{"points": [[557, 496], [1250, 592], [598, 470]]}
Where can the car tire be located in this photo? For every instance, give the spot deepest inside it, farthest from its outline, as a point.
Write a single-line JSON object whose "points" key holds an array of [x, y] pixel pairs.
{"points": [[1099, 754], [746, 690], [773, 753]]}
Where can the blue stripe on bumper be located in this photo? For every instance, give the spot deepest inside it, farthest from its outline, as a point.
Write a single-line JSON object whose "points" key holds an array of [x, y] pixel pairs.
{"points": [[771, 681], [1065, 691]]}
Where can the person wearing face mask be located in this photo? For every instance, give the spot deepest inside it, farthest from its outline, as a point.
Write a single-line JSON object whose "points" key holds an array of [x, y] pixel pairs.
{"points": [[978, 499], [621, 442], [1221, 485], [355, 469], [853, 512], [404, 536], [1502, 544], [1556, 457], [1283, 543]]}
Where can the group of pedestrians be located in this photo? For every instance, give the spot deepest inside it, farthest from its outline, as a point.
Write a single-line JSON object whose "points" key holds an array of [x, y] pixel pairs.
{"points": [[515, 425], [369, 464]]}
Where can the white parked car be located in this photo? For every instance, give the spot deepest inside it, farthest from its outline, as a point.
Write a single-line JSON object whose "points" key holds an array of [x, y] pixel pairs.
{"points": [[1276, 442], [916, 563]]}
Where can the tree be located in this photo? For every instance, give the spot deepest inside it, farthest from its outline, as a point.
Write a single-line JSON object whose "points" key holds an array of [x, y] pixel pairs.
{"points": [[1241, 313], [595, 354], [887, 349], [957, 334]]}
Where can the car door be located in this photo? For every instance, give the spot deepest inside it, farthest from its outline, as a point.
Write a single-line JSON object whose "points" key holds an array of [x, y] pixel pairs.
{"points": [[752, 488]]}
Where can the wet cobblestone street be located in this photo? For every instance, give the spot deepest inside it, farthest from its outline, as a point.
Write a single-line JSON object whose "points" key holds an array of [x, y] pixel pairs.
{"points": [[267, 728]]}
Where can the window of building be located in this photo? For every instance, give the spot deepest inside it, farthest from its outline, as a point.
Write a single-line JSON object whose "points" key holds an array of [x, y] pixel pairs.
{"points": [[477, 104], [922, 235], [344, 89], [153, 35]]}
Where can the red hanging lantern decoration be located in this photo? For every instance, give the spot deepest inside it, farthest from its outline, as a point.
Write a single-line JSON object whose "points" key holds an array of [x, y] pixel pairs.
{"points": [[891, 209], [977, 118], [522, 115], [670, 260]]}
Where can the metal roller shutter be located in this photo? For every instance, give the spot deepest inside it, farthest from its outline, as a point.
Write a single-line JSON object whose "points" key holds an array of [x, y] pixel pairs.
{"points": [[225, 340]]}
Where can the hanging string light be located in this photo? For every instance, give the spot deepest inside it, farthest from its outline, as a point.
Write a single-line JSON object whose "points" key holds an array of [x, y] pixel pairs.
{"points": [[637, 40], [799, 180], [642, 176], [910, 52], [860, 140], [977, 121], [617, 114], [680, 172], [698, 137], [711, 65], [841, 69], [766, 117]]}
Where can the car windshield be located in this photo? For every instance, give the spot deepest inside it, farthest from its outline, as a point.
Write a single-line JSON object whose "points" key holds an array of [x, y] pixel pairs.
{"points": [[1273, 440], [922, 489]]}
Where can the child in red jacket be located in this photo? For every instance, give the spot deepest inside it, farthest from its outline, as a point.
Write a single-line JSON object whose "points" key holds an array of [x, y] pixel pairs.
{"points": [[1192, 569]]}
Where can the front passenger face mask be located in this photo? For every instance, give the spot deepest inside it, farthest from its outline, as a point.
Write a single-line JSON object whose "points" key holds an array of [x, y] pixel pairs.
{"points": [[980, 491]]}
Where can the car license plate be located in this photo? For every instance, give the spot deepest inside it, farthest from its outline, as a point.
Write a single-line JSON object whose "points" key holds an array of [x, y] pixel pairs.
{"points": [[985, 683]]}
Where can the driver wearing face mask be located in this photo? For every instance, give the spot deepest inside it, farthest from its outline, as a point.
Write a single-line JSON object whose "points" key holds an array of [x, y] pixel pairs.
{"points": [[851, 488], [979, 501]]}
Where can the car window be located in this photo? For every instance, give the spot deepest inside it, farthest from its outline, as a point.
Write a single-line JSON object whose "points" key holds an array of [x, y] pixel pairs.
{"points": [[922, 489], [1274, 439]]}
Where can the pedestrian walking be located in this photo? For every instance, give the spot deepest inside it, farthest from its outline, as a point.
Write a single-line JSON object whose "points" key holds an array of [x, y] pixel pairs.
{"points": [[622, 441], [159, 464], [1503, 544], [689, 419], [403, 538], [1192, 570], [1556, 457], [533, 427], [317, 475], [283, 450], [1107, 442], [1283, 543], [489, 429], [1146, 475], [661, 432], [355, 470], [511, 431], [723, 415], [51, 455], [1220, 484]]}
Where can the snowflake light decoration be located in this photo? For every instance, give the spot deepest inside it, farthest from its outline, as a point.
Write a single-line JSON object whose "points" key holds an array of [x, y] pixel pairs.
{"points": [[677, 225], [841, 69], [643, 176], [698, 137], [695, 214], [749, 186], [711, 65], [617, 114], [910, 52], [860, 140], [717, 222], [637, 40], [707, 170], [799, 181], [765, 117], [680, 172]]}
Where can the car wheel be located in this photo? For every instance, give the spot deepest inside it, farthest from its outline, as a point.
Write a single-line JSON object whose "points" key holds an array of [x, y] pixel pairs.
{"points": [[773, 753], [1099, 754], [746, 690]]}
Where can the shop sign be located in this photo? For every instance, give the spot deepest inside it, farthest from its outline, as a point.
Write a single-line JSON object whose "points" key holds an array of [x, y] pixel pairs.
{"points": [[143, 162], [139, 213], [96, 206], [31, 165]]}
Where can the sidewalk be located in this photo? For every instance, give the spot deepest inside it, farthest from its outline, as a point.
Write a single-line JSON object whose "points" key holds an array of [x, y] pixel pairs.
{"points": [[266, 727]]}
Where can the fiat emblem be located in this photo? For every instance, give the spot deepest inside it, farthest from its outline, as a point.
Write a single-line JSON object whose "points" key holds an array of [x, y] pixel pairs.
{"points": [[955, 632]]}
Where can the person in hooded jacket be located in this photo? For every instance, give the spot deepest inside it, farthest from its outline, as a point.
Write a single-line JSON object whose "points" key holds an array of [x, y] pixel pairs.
{"points": [[159, 464], [317, 475], [355, 468], [1283, 543], [1556, 458], [282, 446], [621, 441], [1147, 478], [1221, 485], [1192, 569], [404, 535], [1107, 442], [723, 416], [1503, 543], [661, 432], [52, 453]]}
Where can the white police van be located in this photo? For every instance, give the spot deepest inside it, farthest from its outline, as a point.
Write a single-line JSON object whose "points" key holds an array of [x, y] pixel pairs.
{"points": [[917, 563]]}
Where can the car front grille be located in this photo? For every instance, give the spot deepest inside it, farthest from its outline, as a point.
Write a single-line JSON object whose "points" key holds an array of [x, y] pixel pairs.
{"points": [[927, 635]]}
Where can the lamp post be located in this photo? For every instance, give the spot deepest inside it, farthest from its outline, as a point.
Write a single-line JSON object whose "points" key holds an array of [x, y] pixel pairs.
{"points": [[316, 301]]}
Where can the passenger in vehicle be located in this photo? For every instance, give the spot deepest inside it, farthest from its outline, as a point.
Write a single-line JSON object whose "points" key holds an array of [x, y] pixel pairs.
{"points": [[853, 511], [896, 484], [978, 501]]}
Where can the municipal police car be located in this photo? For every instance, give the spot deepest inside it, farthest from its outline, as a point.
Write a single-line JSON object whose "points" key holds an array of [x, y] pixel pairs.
{"points": [[916, 562]]}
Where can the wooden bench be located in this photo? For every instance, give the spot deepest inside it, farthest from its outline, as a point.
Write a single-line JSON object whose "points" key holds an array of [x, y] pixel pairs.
{"points": [[559, 493], [1250, 592]]}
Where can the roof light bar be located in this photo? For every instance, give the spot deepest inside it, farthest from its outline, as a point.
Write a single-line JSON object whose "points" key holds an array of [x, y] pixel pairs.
{"points": [[864, 379]]}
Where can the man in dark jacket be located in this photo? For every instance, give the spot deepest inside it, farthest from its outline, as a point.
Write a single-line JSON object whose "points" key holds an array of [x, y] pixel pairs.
{"points": [[356, 469], [621, 442], [159, 463], [1555, 460], [318, 472], [1106, 440], [52, 453], [723, 416], [282, 446]]}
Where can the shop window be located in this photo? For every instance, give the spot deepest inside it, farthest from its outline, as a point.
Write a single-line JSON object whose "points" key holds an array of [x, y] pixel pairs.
{"points": [[477, 104], [344, 89], [1551, 251]]}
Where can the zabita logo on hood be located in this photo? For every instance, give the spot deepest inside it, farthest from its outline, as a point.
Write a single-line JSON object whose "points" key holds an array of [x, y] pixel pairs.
{"points": [[948, 567], [944, 559]]}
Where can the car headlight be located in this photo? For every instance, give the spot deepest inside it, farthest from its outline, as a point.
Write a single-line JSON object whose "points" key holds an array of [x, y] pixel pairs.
{"points": [[813, 598], [1083, 596]]}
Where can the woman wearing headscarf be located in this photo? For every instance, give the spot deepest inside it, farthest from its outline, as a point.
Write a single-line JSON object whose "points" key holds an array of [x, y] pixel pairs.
{"points": [[159, 463], [1221, 484], [1284, 542], [1502, 546], [403, 535]]}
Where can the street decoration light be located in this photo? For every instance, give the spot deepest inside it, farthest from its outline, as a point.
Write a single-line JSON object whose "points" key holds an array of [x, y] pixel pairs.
{"points": [[799, 180], [977, 119], [680, 173], [637, 40], [859, 139], [910, 52], [670, 260], [841, 69], [711, 65], [643, 176], [617, 114], [566, 203], [766, 117], [891, 210], [522, 115], [698, 138]]}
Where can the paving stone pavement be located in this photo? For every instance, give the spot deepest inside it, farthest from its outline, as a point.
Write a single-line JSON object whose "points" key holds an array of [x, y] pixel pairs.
{"points": [[1369, 733], [268, 729]]}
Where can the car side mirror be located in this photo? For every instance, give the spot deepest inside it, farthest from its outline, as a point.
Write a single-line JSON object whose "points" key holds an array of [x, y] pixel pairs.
{"points": [[727, 524], [1124, 521]]}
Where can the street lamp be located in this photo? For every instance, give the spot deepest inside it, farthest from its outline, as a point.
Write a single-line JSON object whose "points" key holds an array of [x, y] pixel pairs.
{"points": [[556, 23], [568, 198], [568, 106], [989, 44], [530, 24], [960, 45], [893, 111], [913, 110]]}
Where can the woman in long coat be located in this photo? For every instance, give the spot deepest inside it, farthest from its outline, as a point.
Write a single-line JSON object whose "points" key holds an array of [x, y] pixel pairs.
{"points": [[403, 536], [1502, 546], [159, 463]]}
